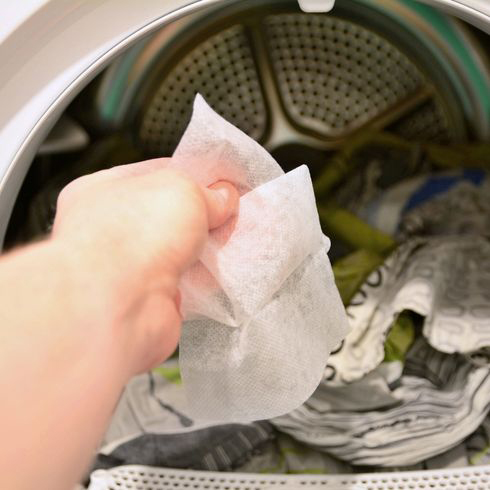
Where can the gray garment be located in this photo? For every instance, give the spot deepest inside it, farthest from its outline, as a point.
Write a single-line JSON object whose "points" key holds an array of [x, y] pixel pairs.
{"points": [[378, 169], [474, 451], [284, 455], [219, 448], [456, 457], [443, 399], [151, 403], [478, 445], [444, 279], [151, 426], [463, 210], [370, 393]]}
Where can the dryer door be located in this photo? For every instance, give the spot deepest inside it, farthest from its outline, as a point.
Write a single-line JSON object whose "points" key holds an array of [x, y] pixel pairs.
{"points": [[476, 12]]}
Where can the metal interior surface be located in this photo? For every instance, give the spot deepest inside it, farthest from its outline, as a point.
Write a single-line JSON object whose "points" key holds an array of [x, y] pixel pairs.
{"points": [[285, 77]]}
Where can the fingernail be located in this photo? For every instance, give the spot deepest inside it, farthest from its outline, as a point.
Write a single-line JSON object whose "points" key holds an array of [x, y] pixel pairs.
{"points": [[224, 194]]}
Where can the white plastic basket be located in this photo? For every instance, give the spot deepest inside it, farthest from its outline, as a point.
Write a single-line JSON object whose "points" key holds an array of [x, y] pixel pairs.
{"points": [[147, 478]]}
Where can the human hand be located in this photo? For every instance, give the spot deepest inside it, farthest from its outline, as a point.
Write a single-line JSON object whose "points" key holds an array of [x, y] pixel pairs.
{"points": [[131, 232]]}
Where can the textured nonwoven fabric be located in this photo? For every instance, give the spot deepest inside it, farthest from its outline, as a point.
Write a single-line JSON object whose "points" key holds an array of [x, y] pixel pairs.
{"points": [[261, 309]]}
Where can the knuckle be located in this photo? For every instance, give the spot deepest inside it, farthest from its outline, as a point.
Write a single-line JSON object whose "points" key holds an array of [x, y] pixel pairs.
{"points": [[65, 195], [183, 185], [70, 192]]}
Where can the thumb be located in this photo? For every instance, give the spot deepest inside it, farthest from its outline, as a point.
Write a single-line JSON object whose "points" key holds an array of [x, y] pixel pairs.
{"points": [[222, 202]]}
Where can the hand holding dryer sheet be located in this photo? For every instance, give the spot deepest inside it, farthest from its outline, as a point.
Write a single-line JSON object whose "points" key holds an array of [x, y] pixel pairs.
{"points": [[261, 309]]}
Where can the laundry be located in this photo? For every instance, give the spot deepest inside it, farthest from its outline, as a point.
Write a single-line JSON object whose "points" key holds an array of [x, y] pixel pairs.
{"points": [[442, 400], [409, 386], [380, 177], [462, 210], [432, 204], [448, 203], [372, 392], [373, 163], [478, 445], [406, 388], [284, 455], [351, 271], [473, 451], [152, 403], [370, 317], [152, 426], [218, 448], [445, 280], [367, 165], [352, 231], [400, 337]]}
